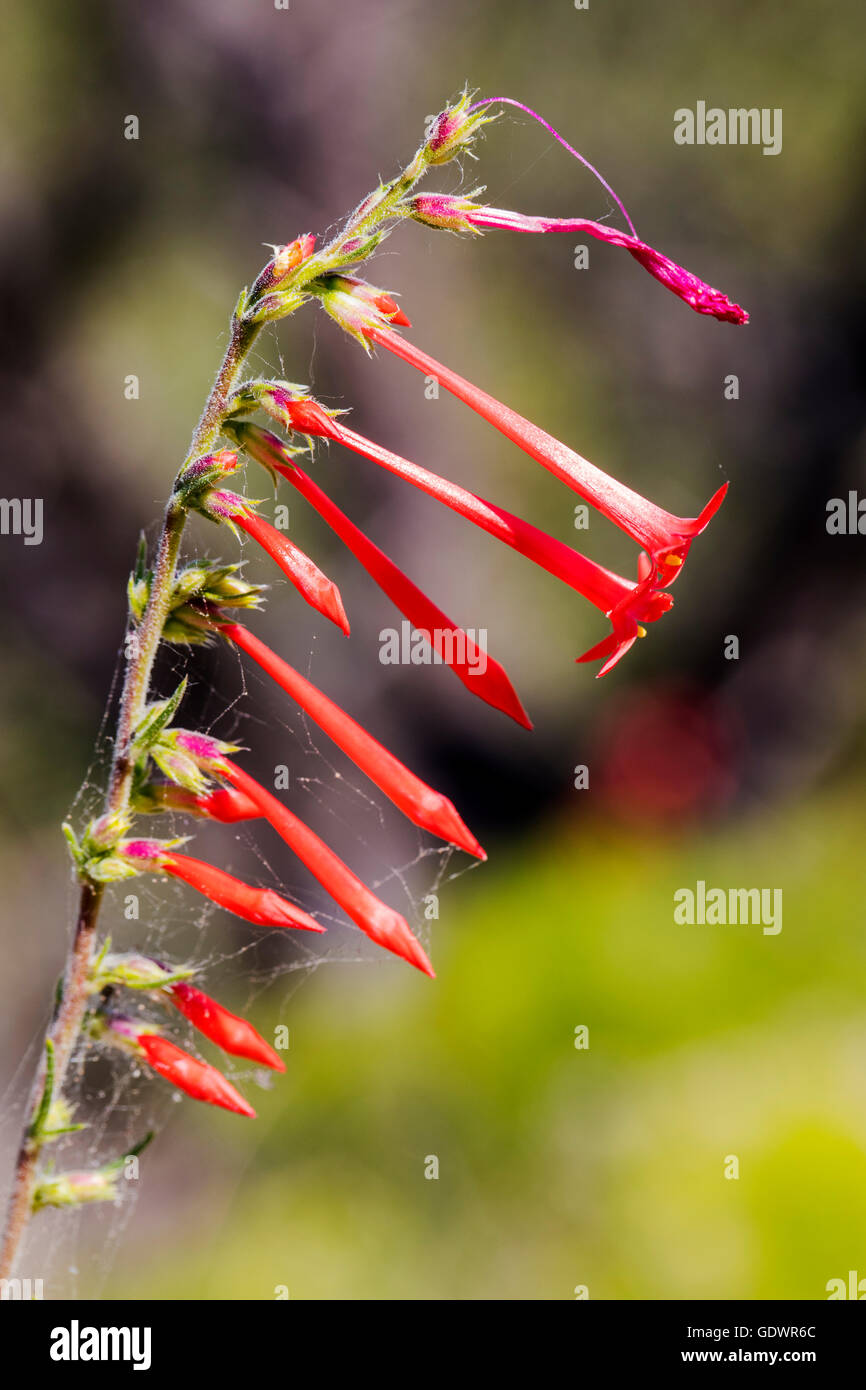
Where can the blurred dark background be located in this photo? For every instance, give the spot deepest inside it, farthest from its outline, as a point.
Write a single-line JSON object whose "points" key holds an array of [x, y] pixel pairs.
{"points": [[123, 257]]}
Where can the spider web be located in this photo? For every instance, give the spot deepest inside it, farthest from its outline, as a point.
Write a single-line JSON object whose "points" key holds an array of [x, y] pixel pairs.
{"points": [[73, 1250], [119, 1100]]}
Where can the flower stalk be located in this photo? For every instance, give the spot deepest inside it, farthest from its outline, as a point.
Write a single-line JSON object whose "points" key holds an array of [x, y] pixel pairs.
{"points": [[188, 606]]}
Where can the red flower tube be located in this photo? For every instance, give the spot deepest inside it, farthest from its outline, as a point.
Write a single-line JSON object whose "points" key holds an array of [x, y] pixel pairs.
{"points": [[220, 803], [442, 210], [490, 684], [197, 1079], [424, 806], [233, 1034], [666, 537], [319, 591], [260, 905], [378, 921], [609, 592]]}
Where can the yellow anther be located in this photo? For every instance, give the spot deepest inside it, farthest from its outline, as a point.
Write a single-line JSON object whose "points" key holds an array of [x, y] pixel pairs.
{"points": [[641, 631]]}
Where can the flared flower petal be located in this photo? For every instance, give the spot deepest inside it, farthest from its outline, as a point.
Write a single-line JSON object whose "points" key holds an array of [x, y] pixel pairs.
{"points": [[608, 591], [666, 537]]}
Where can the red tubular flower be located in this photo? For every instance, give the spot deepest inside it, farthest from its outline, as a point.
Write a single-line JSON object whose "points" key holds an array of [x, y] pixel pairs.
{"points": [[308, 579], [424, 806], [456, 648], [230, 1032], [378, 921], [442, 210], [197, 1079], [260, 905], [633, 603], [221, 803], [666, 537]]}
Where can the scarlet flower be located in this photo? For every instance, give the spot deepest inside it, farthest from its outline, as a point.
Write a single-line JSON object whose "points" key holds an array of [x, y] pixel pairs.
{"points": [[260, 905], [375, 298], [378, 921], [633, 604], [233, 1034], [442, 210], [424, 806], [197, 1079], [308, 579], [453, 644], [666, 537], [220, 803]]}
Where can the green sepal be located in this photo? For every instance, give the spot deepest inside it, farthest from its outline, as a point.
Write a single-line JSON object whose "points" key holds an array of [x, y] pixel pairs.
{"points": [[156, 718], [109, 868]]}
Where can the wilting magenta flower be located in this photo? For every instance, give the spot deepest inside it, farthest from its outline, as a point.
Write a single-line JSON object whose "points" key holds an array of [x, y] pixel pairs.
{"points": [[666, 537], [461, 214]]}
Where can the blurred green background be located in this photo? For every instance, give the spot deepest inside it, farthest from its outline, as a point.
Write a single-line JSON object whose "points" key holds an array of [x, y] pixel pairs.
{"points": [[558, 1167]]}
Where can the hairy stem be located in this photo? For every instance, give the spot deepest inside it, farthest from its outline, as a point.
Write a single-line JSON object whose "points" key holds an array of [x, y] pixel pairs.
{"points": [[383, 205], [144, 644]]}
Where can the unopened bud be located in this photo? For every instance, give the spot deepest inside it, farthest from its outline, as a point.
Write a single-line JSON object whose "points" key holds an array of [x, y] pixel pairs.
{"points": [[290, 257], [77, 1188], [442, 210], [454, 130]]}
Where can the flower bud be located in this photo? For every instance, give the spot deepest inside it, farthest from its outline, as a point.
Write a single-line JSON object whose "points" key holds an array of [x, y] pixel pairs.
{"points": [[205, 472], [357, 306], [76, 1188], [135, 971], [443, 211], [454, 130]]}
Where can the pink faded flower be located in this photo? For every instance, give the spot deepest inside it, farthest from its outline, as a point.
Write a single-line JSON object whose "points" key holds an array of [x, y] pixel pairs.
{"points": [[461, 214]]}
